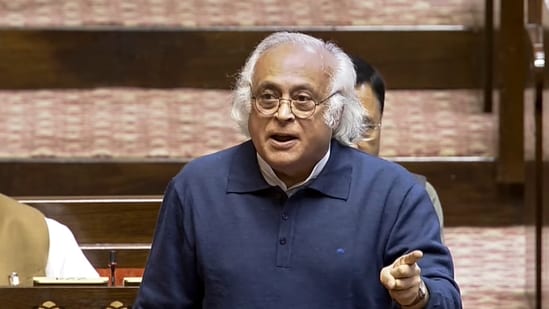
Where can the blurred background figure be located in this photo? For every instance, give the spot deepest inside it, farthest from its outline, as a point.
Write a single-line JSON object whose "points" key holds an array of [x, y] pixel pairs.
{"points": [[370, 89], [32, 245]]}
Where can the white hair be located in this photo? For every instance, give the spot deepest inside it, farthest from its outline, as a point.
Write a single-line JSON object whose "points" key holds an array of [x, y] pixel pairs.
{"points": [[344, 113]]}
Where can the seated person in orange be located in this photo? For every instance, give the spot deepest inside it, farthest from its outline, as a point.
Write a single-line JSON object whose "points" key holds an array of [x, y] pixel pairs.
{"points": [[370, 89], [33, 245]]}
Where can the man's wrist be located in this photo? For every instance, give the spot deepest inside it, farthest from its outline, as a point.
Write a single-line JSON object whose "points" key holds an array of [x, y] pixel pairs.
{"points": [[421, 298]]}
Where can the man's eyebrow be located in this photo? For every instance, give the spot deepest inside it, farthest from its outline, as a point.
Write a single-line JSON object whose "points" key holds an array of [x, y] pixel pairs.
{"points": [[266, 84], [293, 88]]}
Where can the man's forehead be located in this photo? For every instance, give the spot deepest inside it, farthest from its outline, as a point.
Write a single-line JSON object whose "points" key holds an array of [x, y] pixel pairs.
{"points": [[291, 57], [368, 99], [303, 54]]}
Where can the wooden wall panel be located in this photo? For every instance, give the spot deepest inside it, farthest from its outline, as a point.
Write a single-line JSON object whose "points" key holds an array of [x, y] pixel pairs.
{"points": [[128, 220], [117, 227], [469, 193], [513, 68], [210, 58]]}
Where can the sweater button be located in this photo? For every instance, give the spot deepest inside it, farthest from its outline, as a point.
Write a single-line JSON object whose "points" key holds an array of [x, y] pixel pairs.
{"points": [[282, 241]]}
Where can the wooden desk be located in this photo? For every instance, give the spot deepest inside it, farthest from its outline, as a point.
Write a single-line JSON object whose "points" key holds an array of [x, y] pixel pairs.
{"points": [[67, 297]]}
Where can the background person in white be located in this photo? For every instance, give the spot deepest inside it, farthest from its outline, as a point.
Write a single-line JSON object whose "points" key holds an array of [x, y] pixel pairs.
{"points": [[65, 258], [32, 245]]}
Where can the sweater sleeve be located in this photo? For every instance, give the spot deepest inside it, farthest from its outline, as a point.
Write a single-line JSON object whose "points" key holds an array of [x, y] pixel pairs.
{"points": [[171, 279], [417, 228]]}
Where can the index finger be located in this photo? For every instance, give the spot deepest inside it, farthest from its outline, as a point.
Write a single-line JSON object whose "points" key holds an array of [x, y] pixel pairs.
{"points": [[411, 258]]}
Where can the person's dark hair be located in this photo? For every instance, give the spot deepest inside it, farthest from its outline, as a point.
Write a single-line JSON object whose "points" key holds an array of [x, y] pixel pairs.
{"points": [[366, 73]]}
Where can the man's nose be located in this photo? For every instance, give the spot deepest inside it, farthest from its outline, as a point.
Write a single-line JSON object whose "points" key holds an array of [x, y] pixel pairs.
{"points": [[285, 110]]}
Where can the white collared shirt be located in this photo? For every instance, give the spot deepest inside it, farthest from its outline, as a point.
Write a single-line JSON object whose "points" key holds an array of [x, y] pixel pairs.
{"points": [[271, 178], [65, 258]]}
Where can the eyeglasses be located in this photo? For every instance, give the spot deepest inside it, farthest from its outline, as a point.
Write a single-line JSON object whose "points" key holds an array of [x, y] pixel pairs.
{"points": [[302, 107], [368, 129]]}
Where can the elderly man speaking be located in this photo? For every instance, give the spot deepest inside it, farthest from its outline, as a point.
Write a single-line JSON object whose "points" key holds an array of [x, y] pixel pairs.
{"points": [[296, 217]]}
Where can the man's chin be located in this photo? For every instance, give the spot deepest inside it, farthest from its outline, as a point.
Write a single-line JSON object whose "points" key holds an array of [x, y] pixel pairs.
{"points": [[283, 166], [281, 163]]}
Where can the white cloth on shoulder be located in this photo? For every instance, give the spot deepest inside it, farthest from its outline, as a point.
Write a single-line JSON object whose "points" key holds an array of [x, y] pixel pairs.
{"points": [[65, 258]]}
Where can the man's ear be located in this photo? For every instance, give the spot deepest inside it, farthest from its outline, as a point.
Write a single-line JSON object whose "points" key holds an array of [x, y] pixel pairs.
{"points": [[338, 117]]}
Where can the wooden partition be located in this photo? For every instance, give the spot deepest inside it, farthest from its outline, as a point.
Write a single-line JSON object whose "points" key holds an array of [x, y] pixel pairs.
{"points": [[532, 199], [466, 186], [409, 57], [67, 297], [536, 170], [544, 196], [512, 67], [81, 177], [106, 227]]}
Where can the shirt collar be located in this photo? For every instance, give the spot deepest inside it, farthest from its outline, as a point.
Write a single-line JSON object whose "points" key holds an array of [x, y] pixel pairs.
{"points": [[272, 179], [333, 178]]}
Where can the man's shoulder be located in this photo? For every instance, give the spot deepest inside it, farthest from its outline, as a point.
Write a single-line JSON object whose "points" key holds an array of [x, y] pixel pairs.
{"points": [[216, 162], [421, 179], [370, 168], [377, 164]]}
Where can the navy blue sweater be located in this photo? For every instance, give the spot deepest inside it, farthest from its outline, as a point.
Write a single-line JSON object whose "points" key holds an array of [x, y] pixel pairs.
{"points": [[227, 239]]}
